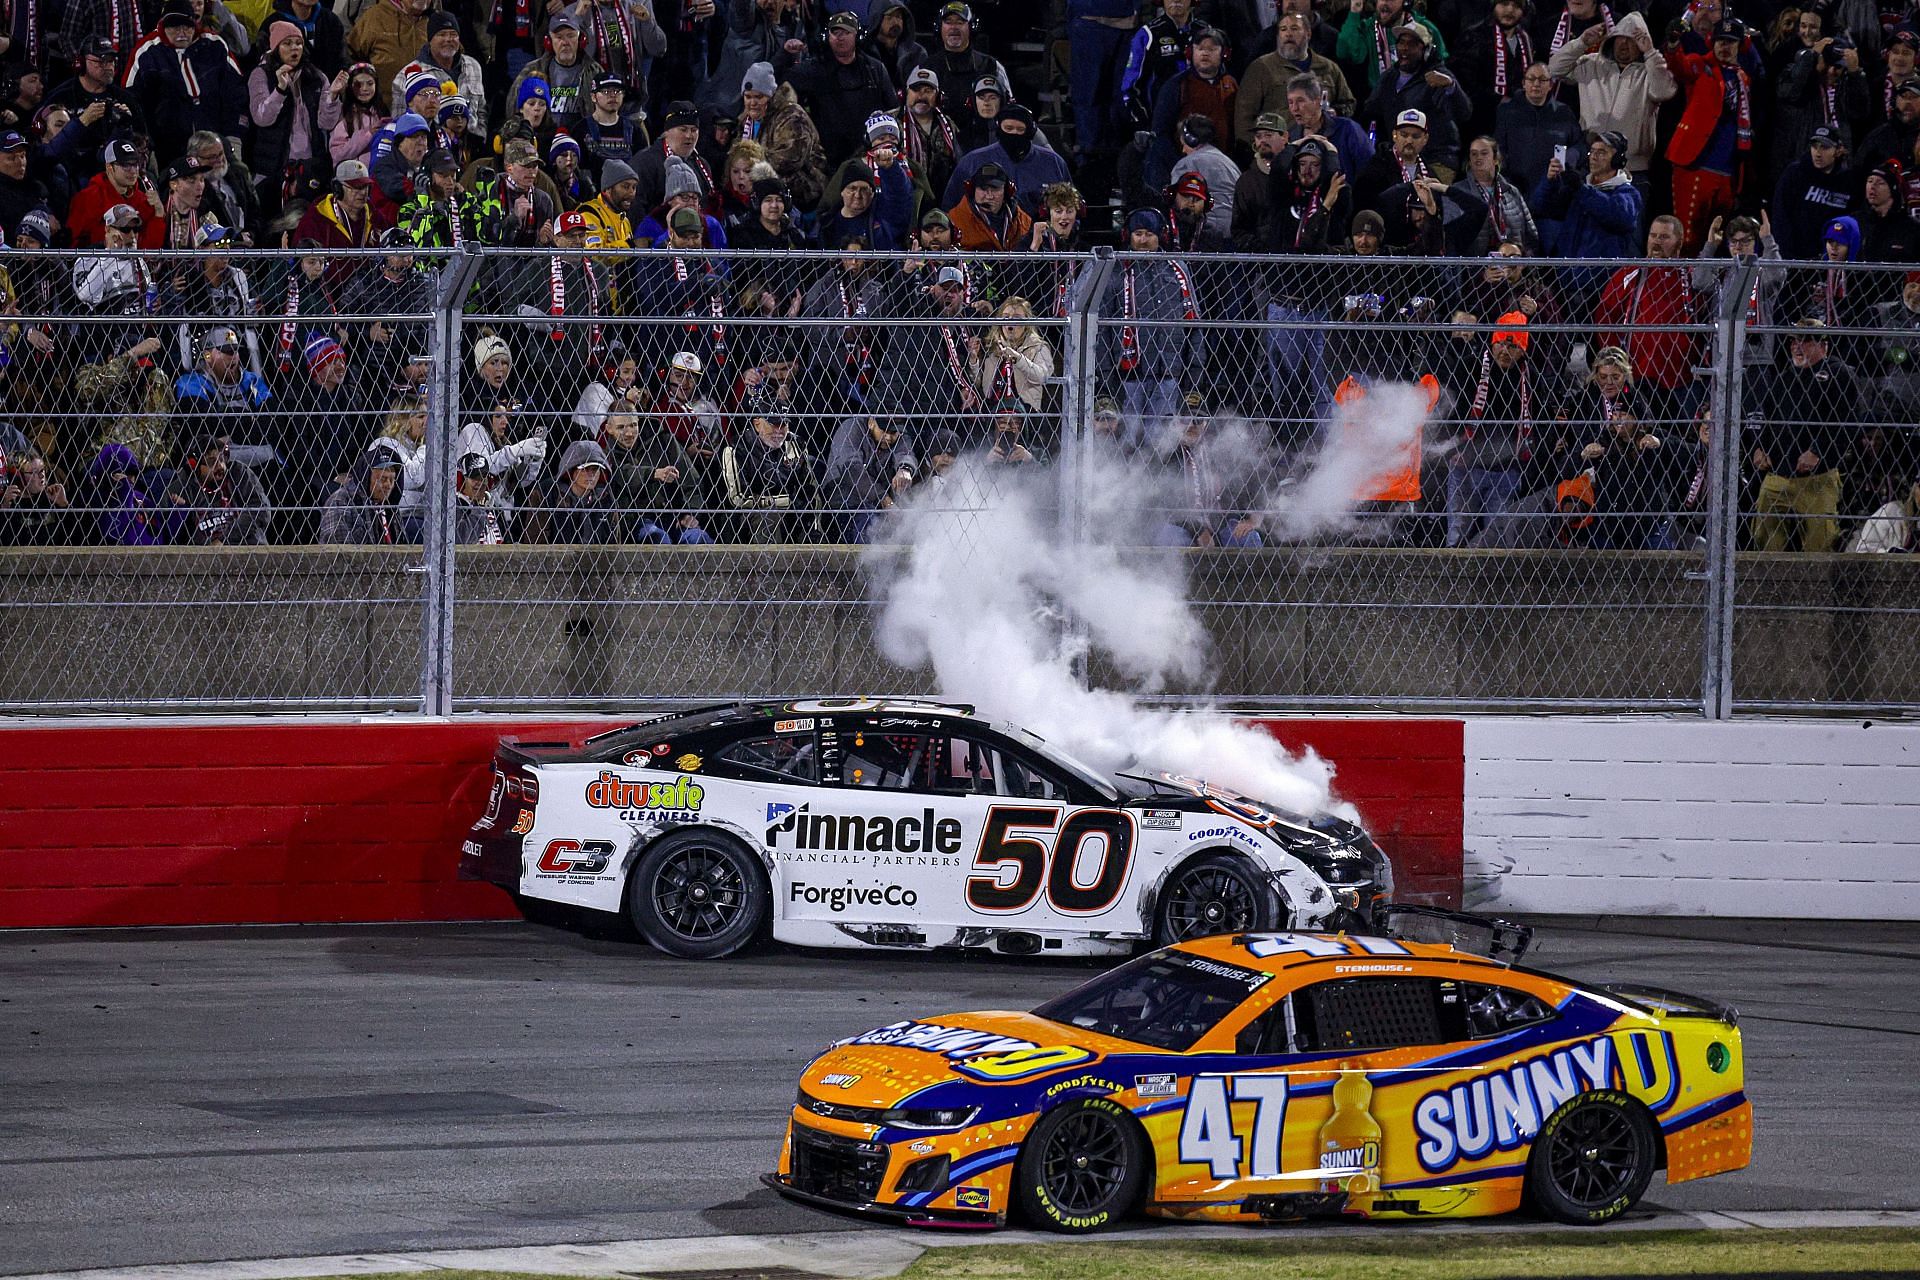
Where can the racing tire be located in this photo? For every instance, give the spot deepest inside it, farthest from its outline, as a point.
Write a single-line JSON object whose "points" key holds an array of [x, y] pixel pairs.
{"points": [[1082, 1167], [1593, 1159], [1216, 893], [698, 895]]}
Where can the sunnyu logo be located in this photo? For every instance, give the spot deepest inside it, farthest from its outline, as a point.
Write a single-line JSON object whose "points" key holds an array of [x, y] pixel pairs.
{"points": [[1503, 1109]]}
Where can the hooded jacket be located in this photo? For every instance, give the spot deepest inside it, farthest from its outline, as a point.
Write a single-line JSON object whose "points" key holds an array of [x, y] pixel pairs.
{"points": [[793, 147], [1625, 99], [569, 517], [351, 515]]}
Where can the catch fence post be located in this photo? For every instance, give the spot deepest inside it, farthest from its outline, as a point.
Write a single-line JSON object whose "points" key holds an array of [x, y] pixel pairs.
{"points": [[455, 280], [1726, 416]]}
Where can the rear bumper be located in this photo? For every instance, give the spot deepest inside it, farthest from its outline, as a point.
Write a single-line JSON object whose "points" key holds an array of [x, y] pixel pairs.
{"points": [[496, 861], [953, 1219]]}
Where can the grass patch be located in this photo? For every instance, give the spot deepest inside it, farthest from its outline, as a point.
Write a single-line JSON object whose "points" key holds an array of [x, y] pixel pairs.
{"points": [[1454, 1255]]}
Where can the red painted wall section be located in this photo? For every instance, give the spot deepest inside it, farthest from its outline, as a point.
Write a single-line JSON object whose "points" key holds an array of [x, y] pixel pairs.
{"points": [[335, 823], [1408, 779]]}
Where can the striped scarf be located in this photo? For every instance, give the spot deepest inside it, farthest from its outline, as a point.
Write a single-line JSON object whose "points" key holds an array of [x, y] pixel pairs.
{"points": [[916, 144], [1483, 392], [291, 323], [969, 397], [602, 37], [1563, 30], [716, 308], [1501, 55], [853, 338]]}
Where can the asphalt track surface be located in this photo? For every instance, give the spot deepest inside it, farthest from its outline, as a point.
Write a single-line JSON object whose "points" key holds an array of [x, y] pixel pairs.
{"points": [[192, 1095]]}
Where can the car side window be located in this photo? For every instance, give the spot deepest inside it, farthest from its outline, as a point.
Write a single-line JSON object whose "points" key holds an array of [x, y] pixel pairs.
{"points": [[1358, 1014], [1494, 1011], [788, 757], [886, 761], [1266, 1033]]}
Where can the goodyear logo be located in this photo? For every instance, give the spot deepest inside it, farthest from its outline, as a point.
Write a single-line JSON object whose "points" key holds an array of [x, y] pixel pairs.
{"points": [[1502, 1110]]}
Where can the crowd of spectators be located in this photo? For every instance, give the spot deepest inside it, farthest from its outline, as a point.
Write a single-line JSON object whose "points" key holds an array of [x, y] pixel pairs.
{"points": [[660, 398]]}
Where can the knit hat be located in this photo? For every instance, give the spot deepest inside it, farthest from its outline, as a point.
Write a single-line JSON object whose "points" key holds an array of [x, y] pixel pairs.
{"points": [[759, 79], [487, 348], [767, 182], [1513, 328], [451, 107], [419, 82], [614, 172], [881, 125], [279, 30], [39, 225], [440, 20], [322, 351], [532, 87], [562, 141], [1370, 221], [681, 179], [409, 123], [678, 113], [177, 13], [1147, 220]]}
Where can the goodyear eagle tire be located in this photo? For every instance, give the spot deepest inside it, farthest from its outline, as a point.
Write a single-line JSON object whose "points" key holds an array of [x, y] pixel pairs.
{"points": [[1592, 1159], [1082, 1167], [1216, 893], [698, 895]]}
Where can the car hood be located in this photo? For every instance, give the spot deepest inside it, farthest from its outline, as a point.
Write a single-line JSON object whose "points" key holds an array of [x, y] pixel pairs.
{"points": [[884, 1066]]}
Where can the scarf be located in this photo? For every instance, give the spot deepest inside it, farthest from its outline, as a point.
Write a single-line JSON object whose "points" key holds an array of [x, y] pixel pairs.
{"points": [[969, 397], [1197, 473], [1301, 219], [192, 80], [853, 338], [1384, 54], [601, 35], [1483, 391], [916, 144], [1500, 56], [455, 231], [292, 319], [522, 18], [173, 228], [1830, 104], [1129, 310], [1739, 92], [32, 10], [1833, 293], [1496, 202], [1418, 169], [715, 306], [1563, 30]]}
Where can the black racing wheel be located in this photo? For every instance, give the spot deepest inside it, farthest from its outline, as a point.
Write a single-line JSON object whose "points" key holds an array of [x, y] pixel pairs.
{"points": [[1218, 893], [698, 895], [1082, 1167], [1593, 1158]]}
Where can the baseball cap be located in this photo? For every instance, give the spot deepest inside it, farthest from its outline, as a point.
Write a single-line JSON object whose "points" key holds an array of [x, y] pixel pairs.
{"points": [[11, 141], [220, 337], [956, 9], [1615, 140], [990, 175], [1192, 184], [1412, 119], [124, 217], [844, 20], [1415, 29], [950, 275], [353, 173], [474, 466], [185, 166], [1823, 135], [1271, 121], [520, 151], [1729, 29], [572, 220], [440, 160], [686, 362], [122, 151], [409, 123], [986, 84], [609, 81], [685, 221], [211, 233], [101, 47], [922, 75], [1812, 323], [935, 218], [1906, 86], [563, 19]]}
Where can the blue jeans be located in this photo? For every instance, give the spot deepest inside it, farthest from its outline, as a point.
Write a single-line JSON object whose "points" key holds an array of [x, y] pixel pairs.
{"points": [[1296, 357], [1149, 404], [648, 531], [1474, 496], [1170, 534], [1093, 57]]}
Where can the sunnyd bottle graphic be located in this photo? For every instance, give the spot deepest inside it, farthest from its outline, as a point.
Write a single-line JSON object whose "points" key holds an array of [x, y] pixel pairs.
{"points": [[1350, 1139]]}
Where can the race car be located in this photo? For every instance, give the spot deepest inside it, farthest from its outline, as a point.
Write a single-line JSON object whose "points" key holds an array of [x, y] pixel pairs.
{"points": [[1260, 1077], [855, 822]]}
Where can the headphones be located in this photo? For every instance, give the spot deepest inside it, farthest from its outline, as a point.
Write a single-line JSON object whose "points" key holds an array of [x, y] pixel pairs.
{"points": [[973, 20]]}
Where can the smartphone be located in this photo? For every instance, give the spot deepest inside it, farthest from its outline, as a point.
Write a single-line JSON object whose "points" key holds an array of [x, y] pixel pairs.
{"points": [[1565, 156]]}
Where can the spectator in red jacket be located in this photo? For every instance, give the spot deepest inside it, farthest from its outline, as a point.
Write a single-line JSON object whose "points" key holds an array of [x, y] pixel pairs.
{"points": [[1655, 295], [123, 181], [1715, 135]]}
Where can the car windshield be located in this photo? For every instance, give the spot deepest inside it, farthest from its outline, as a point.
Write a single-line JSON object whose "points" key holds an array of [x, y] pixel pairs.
{"points": [[1085, 772], [1168, 1000]]}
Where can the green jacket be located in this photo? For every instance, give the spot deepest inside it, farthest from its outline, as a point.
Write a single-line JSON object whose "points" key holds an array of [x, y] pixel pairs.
{"points": [[1356, 45]]}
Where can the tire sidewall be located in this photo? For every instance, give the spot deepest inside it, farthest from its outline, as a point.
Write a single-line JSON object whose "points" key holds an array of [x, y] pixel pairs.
{"points": [[1270, 905], [1547, 1198], [646, 920], [1030, 1194]]}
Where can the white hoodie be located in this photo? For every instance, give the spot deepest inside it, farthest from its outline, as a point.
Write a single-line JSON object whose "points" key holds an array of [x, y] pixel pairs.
{"points": [[1626, 98]]}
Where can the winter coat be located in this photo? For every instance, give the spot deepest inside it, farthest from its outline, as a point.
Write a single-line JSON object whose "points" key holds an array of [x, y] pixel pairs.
{"points": [[1595, 221], [233, 514], [387, 35], [859, 474], [350, 515], [1528, 134], [1625, 99], [1447, 110], [1264, 88], [1651, 295], [1800, 105], [579, 519], [794, 148], [1804, 201], [1162, 291], [1705, 84], [182, 90], [840, 97], [1030, 177]]}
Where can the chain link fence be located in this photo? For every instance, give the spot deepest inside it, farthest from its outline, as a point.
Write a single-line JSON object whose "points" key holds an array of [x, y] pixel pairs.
{"points": [[515, 479]]}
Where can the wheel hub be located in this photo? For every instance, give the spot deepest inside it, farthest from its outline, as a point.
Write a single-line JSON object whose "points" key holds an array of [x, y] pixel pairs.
{"points": [[1079, 1162]]}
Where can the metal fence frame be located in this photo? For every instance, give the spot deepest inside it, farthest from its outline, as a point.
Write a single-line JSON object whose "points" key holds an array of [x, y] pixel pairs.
{"points": [[1717, 570]]}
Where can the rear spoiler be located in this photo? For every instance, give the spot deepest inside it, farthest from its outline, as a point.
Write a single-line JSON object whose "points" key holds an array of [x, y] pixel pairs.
{"points": [[1500, 940], [1672, 1004]]}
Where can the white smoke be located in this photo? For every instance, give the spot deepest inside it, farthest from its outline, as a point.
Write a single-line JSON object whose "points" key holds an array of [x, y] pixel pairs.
{"points": [[980, 585]]}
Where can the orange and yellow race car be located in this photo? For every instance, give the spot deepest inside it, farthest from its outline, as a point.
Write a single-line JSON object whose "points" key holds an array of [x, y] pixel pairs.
{"points": [[1273, 1076]]}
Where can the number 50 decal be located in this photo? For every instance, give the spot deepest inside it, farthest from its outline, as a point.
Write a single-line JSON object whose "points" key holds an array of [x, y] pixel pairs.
{"points": [[1050, 863]]}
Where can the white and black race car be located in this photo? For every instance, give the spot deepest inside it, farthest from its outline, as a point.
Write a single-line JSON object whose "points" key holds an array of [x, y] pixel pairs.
{"points": [[855, 822]]}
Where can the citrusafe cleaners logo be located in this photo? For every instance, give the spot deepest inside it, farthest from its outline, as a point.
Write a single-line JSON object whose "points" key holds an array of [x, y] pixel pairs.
{"points": [[676, 801]]}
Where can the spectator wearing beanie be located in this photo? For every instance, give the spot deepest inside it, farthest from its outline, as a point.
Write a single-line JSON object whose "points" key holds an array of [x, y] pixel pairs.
{"points": [[439, 53], [293, 107], [326, 34], [679, 140]]}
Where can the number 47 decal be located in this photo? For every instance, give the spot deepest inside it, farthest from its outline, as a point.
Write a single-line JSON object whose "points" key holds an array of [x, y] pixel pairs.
{"points": [[1037, 865], [1206, 1132]]}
